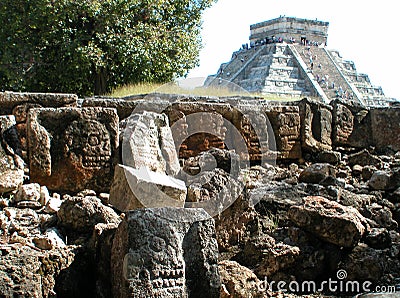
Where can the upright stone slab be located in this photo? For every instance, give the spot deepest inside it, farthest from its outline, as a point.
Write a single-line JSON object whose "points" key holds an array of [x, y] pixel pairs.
{"points": [[351, 125], [385, 127], [72, 149], [316, 125], [148, 142], [165, 252], [285, 121]]}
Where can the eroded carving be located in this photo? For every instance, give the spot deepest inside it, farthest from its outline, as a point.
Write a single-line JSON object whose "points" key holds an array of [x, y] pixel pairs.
{"points": [[344, 124], [88, 142]]}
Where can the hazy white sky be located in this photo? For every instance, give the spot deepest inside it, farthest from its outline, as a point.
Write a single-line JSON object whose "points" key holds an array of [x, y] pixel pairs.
{"points": [[366, 32]]}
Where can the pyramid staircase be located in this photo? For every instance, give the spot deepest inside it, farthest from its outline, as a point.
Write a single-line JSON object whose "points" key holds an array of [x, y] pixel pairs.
{"points": [[286, 70]]}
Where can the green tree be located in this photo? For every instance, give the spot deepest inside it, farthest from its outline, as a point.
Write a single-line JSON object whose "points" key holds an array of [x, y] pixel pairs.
{"points": [[92, 46]]}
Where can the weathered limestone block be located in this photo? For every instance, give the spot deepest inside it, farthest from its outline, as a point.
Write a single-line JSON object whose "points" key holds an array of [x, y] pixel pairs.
{"points": [[124, 106], [238, 281], [148, 142], [330, 221], [285, 121], [351, 125], [138, 188], [11, 165], [165, 252], [82, 214], [385, 128], [316, 125], [9, 100], [72, 149]]}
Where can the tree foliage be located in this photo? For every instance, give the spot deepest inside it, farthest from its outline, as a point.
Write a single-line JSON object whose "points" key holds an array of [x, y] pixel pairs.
{"points": [[93, 46]]}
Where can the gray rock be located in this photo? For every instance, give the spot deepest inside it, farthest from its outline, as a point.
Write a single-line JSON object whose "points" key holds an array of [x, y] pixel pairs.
{"points": [[378, 238], [165, 252], [10, 180], [27, 272], [379, 180], [364, 158], [330, 221], [267, 257], [316, 173], [213, 190], [332, 157], [82, 214]]}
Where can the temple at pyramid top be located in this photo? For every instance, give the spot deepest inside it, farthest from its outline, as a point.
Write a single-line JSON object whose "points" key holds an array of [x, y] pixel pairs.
{"points": [[288, 27], [289, 57]]}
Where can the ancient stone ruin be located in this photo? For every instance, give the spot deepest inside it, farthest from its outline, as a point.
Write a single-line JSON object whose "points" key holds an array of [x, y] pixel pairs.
{"points": [[289, 56], [182, 196]]}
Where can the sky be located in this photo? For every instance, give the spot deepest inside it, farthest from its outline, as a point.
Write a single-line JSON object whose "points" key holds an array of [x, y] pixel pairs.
{"points": [[365, 32]]}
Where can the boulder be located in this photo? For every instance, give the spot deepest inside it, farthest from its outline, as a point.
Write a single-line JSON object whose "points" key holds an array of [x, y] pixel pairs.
{"points": [[330, 221], [267, 257], [213, 190], [28, 192], [28, 272], [82, 214], [238, 281], [138, 188], [10, 180], [379, 180], [165, 252], [317, 172], [364, 158], [214, 158]]}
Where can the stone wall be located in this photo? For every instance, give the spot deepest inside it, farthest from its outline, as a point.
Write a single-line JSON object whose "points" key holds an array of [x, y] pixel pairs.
{"points": [[85, 139]]}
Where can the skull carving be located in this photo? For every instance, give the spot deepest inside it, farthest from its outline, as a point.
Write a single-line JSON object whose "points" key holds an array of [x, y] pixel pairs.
{"points": [[155, 261], [88, 142], [344, 123]]}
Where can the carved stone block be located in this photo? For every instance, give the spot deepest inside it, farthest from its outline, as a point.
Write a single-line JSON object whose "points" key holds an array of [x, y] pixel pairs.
{"points": [[385, 128], [351, 125], [316, 121], [285, 121], [148, 142], [165, 252], [71, 148]]}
